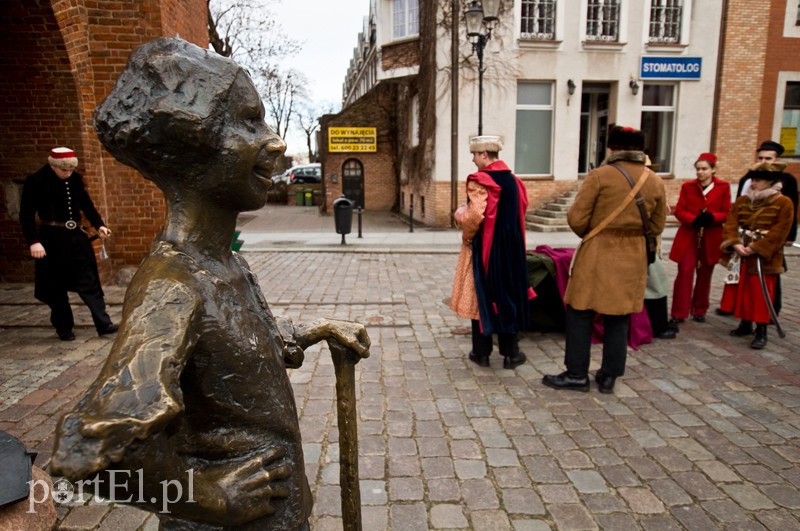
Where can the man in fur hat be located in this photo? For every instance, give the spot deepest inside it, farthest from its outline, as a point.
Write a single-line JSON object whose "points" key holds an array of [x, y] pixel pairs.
{"points": [[769, 152], [64, 255], [491, 285], [609, 271]]}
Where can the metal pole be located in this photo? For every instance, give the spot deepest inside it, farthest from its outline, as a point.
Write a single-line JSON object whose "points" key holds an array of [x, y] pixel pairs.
{"points": [[343, 242], [480, 45], [411, 215], [359, 221], [454, 112]]}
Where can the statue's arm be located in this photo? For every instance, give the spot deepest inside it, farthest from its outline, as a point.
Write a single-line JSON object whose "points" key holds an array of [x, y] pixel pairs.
{"points": [[138, 390]]}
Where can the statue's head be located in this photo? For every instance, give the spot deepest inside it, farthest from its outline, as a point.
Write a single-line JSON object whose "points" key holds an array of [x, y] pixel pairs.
{"points": [[187, 118]]}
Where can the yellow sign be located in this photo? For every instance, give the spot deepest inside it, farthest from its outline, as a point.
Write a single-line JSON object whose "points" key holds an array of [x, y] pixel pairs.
{"points": [[352, 139], [789, 140]]}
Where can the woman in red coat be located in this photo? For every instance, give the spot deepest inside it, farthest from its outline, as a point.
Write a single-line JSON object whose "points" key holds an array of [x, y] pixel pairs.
{"points": [[702, 208]]}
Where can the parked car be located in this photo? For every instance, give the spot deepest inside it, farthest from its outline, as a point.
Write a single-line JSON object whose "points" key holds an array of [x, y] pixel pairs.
{"points": [[305, 173], [282, 177]]}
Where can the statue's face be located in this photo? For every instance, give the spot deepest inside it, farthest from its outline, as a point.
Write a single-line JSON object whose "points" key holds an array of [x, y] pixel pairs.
{"points": [[240, 176]]}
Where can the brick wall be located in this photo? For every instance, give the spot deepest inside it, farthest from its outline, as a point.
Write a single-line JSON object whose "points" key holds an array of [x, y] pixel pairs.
{"points": [[399, 55], [58, 60], [754, 54], [783, 56], [380, 170]]}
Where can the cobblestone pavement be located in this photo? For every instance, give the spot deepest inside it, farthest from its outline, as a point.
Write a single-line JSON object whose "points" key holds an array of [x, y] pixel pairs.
{"points": [[701, 433]]}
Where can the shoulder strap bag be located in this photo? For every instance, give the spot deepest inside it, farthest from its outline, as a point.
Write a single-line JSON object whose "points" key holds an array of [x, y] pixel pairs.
{"points": [[650, 239], [611, 217]]}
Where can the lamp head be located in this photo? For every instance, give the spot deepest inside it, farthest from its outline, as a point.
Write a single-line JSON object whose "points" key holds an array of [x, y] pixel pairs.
{"points": [[474, 17], [634, 87]]}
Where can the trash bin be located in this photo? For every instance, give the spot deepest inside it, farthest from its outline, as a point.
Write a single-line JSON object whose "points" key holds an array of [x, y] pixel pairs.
{"points": [[308, 197], [298, 197], [343, 216]]}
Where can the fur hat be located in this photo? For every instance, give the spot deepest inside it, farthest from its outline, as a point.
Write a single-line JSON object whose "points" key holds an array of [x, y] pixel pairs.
{"points": [[770, 145], [63, 157], [708, 157], [492, 143], [625, 139], [767, 171]]}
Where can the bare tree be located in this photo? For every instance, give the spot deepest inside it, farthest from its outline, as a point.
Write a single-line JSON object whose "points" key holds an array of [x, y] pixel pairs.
{"points": [[246, 31], [307, 119], [281, 92]]}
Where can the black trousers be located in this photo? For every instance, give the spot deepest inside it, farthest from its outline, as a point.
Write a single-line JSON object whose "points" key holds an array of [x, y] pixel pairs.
{"points": [[577, 354], [61, 312], [482, 345], [657, 313]]}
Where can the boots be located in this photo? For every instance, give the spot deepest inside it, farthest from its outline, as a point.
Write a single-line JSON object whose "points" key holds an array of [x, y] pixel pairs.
{"points": [[760, 341], [745, 328]]}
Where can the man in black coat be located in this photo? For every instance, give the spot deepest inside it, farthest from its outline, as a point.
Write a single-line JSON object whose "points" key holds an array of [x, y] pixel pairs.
{"points": [[64, 255]]}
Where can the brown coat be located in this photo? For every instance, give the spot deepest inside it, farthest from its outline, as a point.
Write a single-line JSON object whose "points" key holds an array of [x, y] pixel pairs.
{"points": [[470, 216], [774, 216], [610, 270]]}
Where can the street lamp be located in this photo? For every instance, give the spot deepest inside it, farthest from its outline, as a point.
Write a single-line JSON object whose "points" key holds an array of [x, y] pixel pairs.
{"points": [[481, 20]]}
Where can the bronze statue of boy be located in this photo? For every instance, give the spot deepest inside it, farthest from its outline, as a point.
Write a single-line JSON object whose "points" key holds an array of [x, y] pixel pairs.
{"points": [[195, 389]]}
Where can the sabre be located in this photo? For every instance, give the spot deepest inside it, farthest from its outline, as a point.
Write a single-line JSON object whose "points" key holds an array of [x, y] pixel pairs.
{"points": [[772, 313]]}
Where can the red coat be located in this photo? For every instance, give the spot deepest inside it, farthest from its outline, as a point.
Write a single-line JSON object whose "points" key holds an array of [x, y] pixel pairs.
{"points": [[690, 202]]}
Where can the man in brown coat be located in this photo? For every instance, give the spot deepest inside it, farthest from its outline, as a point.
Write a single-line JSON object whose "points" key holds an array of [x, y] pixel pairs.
{"points": [[609, 270]]}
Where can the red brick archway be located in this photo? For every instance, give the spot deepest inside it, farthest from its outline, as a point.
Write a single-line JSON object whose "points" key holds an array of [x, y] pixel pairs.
{"points": [[58, 59]]}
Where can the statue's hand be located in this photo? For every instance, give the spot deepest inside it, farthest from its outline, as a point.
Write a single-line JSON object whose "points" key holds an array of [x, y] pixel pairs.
{"points": [[293, 355], [244, 490], [349, 334]]}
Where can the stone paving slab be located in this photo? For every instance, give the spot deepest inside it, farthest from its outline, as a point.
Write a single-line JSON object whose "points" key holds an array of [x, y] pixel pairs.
{"points": [[701, 433]]}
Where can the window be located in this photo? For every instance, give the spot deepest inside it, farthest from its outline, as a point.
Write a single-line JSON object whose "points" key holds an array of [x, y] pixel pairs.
{"points": [[534, 128], [665, 20], [538, 19], [658, 124], [790, 122], [405, 18], [602, 20]]}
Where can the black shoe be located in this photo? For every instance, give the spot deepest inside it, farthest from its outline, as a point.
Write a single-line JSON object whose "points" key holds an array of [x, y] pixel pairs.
{"points": [[669, 333], [605, 382], [565, 381], [699, 318], [110, 329], [760, 341], [66, 336], [720, 311], [509, 362], [673, 323], [483, 361], [745, 328]]}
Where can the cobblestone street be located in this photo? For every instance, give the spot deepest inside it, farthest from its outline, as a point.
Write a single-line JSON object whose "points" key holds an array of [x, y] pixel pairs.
{"points": [[701, 433]]}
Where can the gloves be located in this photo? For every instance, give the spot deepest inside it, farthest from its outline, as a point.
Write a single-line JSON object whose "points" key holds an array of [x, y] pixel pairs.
{"points": [[703, 219]]}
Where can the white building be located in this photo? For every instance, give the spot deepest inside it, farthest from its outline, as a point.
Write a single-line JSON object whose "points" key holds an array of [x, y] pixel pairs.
{"points": [[557, 73]]}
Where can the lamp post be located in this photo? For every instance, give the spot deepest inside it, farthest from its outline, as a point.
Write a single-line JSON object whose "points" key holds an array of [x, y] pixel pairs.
{"points": [[481, 19]]}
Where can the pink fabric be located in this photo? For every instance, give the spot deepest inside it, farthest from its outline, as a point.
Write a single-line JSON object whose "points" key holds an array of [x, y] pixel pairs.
{"points": [[640, 333]]}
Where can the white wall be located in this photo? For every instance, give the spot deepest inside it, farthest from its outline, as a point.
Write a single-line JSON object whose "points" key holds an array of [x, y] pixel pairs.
{"points": [[508, 59]]}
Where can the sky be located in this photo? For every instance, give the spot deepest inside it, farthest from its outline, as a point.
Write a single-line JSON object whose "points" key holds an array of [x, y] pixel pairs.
{"points": [[328, 33]]}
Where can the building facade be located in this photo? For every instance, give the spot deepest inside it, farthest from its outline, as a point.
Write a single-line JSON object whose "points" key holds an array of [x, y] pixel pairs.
{"points": [[59, 59], [760, 80], [557, 73]]}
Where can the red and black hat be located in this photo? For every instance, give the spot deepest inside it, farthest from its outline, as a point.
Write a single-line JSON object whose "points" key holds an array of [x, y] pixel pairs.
{"points": [[625, 139], [63, 157]]}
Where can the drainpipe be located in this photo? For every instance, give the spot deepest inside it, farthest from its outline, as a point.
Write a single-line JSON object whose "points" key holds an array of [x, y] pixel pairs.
{"points": [[454, 110], [723, 31]]}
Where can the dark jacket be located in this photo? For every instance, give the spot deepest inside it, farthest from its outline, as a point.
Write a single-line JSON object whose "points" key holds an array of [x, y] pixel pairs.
{"points": [[70, 263]]}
